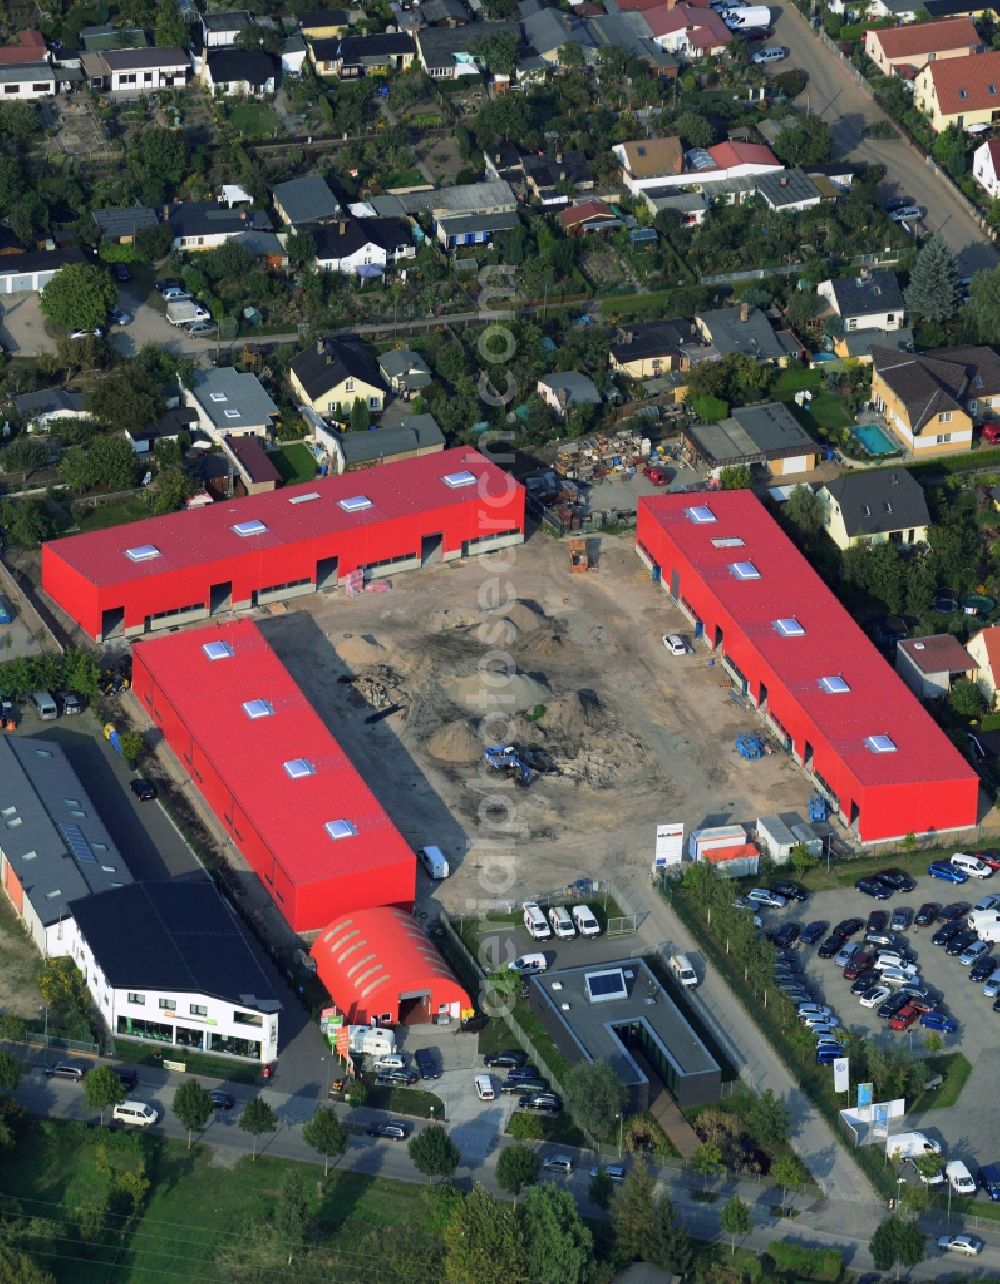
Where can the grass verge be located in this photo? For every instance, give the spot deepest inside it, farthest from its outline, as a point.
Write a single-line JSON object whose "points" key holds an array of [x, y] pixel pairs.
{"points": [[558, 1128], [405, 1101], [116, 512], [146, 1054]]}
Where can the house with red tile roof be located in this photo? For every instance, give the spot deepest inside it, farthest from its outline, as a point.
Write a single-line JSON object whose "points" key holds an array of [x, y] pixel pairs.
{"points": [[30, 47], [698, 168], [986, 166], [903, 51], [687, 31], [590, 216], [960, 91]]}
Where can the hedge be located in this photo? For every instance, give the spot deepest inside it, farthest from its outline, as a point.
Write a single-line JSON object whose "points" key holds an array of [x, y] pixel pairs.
{"points": [[806, 1263]]}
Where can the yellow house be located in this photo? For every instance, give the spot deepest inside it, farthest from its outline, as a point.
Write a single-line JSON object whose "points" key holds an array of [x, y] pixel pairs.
{"points": [[923, 399], [960, 91], [331, 376], [875, 507], [323, 24]]}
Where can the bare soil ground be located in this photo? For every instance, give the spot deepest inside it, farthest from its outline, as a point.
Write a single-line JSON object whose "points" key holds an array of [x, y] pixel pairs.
{"points": [[463, 656], [441, 159]]}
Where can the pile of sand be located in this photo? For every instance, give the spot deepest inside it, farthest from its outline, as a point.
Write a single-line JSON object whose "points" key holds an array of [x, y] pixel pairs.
{"points": [[526, 616], [453, 618], [574, 715], [482, 694], [359, 651], [547, 642], [455, 742]]}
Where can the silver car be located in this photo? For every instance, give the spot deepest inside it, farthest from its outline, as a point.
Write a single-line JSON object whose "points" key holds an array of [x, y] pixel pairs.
{"points": [[775, 54], [764, 896], [975, 951]]}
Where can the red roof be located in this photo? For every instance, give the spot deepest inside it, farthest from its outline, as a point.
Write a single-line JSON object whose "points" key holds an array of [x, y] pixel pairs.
{"points": [[626, 5], [706, 27], [574, 215], [30, 48], [371, 958], [254, 755], [719, 855], [728, 155], [205, 535], [966, 84], [927, 37], [877, 702]]}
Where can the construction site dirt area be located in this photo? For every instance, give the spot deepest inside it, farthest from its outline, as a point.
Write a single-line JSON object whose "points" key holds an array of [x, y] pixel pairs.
{"points": [[596, 732]]}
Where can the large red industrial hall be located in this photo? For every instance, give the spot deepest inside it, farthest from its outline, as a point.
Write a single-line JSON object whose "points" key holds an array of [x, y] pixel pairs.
{"points": [[829, 695], [188, 566], [302, 817]]}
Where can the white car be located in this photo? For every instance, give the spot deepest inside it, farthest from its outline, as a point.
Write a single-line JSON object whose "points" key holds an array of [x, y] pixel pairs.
{"points": [[558, 1164], [988, 902], [819, 1010], [992, 987], [901, 976], [675, 644], [764, 896], [967, 1244], [826, 1023], [875, 998], [95, 333], [844, 956], [174, 295], [775, 54], [905, 213]]}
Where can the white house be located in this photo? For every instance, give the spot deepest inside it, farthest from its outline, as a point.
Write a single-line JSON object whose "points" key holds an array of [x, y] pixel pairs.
{"points": [[986, 166], [141, 71], [207, 224], [29, 80], [231, 404], [868, 301], [239, 73], [219, 30], [362, 246], [661, 164], [153, 977]]}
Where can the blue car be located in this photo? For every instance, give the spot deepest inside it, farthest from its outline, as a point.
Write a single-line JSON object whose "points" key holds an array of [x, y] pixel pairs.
{"points": [[828, 1053], [939, 1021], [947, 872]]}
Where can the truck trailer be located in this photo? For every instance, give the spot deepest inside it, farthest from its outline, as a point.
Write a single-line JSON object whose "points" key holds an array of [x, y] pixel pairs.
{"points": [[187, 312]]}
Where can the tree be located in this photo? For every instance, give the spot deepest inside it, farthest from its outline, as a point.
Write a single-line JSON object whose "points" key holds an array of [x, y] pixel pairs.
{"points": [[787, 1172], [769, 1119], [804, 509], [79, 296], [257, 1119], [192, 1106], [126, 398], [171, 27], [558, 1247], [695, 129], [172, 487], [803, 308], [24, 455], [809, 141], [897, 1241], [26, 521], [132, 745], [360, 415], [518, 1166], [109, 463], [735, 1220], [601, 1188], [596, 1096], [497, 53], [632, 1213], [802, 859], [291, 1212], [153, 243], [966, 698], [62, 984], [483, 1241], [670, 1246], [10, 1072], [930, 1166], [325, 1134], [736, 477], [254, 38], [933, 290], [102, 1088], [433, 1152], [707, 1160], [571, 54], [984, 304], [300, 248]]}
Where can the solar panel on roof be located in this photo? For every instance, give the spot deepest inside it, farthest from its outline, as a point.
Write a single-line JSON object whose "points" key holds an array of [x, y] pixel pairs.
{"points": [[77, 843], [606, 985]]}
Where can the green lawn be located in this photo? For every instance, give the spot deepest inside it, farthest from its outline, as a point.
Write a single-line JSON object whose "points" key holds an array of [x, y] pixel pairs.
{"points": [[117, 511], [254, 120], [956, 1070], [294, 462], [797, 379], [405, 1101]]}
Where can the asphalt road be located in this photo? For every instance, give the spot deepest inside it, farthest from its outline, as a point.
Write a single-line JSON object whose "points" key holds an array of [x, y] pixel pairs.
{"points": [[833, 93]]}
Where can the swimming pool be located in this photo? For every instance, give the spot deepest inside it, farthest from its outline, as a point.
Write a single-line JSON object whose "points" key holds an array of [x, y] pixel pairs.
{"points": [[874, 439]]}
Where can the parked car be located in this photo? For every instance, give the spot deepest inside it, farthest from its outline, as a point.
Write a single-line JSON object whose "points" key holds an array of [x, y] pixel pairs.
{"points": [[200, 329], [393, 1131], [865, 981], [175, 294], [876, 997], [891, 1006], [558, 1164], [878, 920], [144, 790], [990, 901], [120, 272], [893, 976], [989, 858], [70, 703], [860, 962], [946, 933], [939, 1021], [791, 891], [521, 1074], [896, 203], [959, 909], [830, 946], [905, 213], [773, 54], [970, 1245], [675, 644], [120, 317], [820, 1010], [826, 1055], [426, 1063], [764, 896], [872, 887], [171, 283], [897, 879], [974, 951], [94, 333], [812, 932], [514, 1058], [927, 913], [849, 927], [906, 1016], [221, 1100], [821, 1023], [992, 987], [787, 935], [902, 917], [982, 969], [960, 943], [615, 1172], [846, 953], [946, 871], [396, 1078], [887, 939], [547, 1102]]}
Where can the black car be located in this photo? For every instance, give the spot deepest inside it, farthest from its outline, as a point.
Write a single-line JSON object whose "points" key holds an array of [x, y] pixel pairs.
{"points": [[797, 993], [221, 1100], [171, 283], [144, 790], [927, 913], [120, 272], [877, 921], [875, 888], [512, 1059], [128, 1077], [548, 1102], [520, 1074], [831, 946], [787, 935], [814, 931], [897, 879], [961, 942], [919, 991], [848, 927], [983, 968], [867, 980], [946, 933], [791, 891], [530, 1086], [426, 1063], [891, 1006], [396, 1078], [957, 909], [394, 1131]]}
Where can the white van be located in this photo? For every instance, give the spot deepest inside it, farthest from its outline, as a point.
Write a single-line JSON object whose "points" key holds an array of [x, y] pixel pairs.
{"points": [[960, 1179], [135, 1112], [529, 964], [484, 1088], [681, 967], [561, 922], [391, 1061], [971, 865], [535, 921], [434, 861], [586, 923], [45, 705]]}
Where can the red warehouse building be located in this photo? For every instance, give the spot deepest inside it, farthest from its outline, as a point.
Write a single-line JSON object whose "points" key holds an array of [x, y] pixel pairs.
{"points": [[193, 565], [794, 650], [379, 965], [306, 823]]}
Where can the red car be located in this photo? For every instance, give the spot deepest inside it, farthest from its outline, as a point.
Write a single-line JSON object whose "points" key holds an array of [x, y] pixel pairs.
{"points": [[859, 963], [989, 858], [906, 1016], [658, 476], [991, 431]]}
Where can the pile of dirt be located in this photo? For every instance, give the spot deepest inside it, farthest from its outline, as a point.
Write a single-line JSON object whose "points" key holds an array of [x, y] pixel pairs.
{"points": [[451, 618], [359, 651], [574, 716], [381, 687], [456, 743], [547, 642], [512, 693], [526, 616]]}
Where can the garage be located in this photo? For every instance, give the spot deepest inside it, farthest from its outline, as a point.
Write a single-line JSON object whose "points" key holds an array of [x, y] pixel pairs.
{"points": [[31, 272]]}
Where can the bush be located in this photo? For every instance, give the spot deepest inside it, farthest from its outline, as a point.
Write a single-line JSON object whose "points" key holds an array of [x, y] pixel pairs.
{"points": [[790, 83], [806, 1263], [525, 1127], [882, 129]]}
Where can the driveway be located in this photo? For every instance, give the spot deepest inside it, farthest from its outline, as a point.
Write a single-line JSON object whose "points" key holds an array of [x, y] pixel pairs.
{"points": [[22, 326], [833, 93]]}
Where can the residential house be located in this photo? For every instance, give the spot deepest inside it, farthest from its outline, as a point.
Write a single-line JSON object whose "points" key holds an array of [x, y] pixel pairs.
{"points": [[661, 164], [331, 375], [956, 8], [868, 301], [417, 435], [549, 30], [932, 399], [591, 216], [650, 162], [858, 345], [167, 428], [304, 201], [362, 246], [405, 371], [121, 225], [903, 11], [960, 91], [22, 81], [31, 271], [467, 214], [324, 24], [902, 51], [875, 506], [239, 73], [30, 47], [352, 56], [628, 33], [767, 436], [688, 31], [564, 391], [219, 30], [984, 647], [39, 410], [689, 207], [137, 71], [986, 167], [444, 13], [253, 472], [448, 53], [744, 329], [788, 191], [207, 225], [652, 348], [265, 248], [230, 404], [930, 665], [293, 56], [549, 179]]}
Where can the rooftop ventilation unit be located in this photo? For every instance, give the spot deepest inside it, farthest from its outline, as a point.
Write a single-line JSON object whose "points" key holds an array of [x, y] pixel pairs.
{"points": [[356, 504], [255, 709], [217, 650], [251, 527], [304, 499], [142, 553], [338, 829]]}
